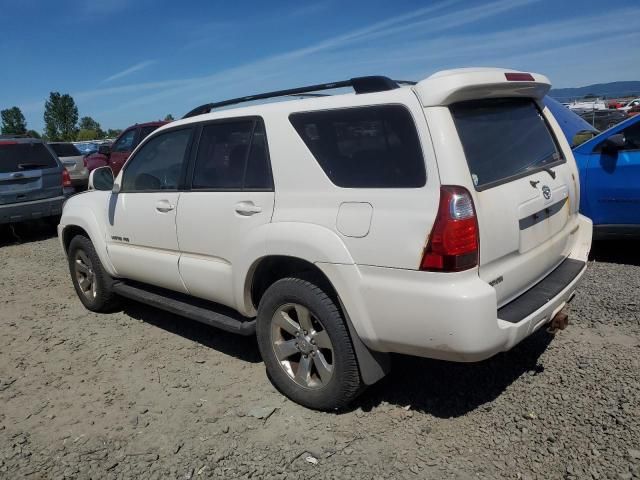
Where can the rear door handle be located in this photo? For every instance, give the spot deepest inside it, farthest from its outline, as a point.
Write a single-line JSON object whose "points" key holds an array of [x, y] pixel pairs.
{"points": [[164, 206], [247, 209]]}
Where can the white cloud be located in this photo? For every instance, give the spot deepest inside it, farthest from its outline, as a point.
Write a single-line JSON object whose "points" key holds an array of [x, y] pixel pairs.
{"points": [[135, 68]]}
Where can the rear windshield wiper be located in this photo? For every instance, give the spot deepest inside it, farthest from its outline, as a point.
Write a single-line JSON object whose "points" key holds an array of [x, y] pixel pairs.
{"points": [[31, 166], [550, 172]]}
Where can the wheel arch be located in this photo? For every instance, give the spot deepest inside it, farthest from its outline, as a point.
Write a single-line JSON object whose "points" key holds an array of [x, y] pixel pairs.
{"points": [[269, 269], [82, 221]]}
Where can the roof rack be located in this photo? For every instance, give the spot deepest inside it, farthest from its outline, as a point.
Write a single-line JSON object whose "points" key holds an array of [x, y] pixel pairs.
{"points": [[359, 84], [14, 135]]}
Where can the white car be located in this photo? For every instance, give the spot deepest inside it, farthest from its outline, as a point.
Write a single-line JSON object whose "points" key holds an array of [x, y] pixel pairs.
{"points": [[629, 105], [437, 219]]}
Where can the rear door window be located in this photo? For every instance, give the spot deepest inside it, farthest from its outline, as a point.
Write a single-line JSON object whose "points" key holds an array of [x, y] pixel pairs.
{"points": [[364, 147], [18, 157], [65, 149], [504, 139], [232, 156]]}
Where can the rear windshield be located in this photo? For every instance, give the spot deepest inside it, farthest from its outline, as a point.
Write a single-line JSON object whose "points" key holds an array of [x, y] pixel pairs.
{"points": [[17, 157], [65, 149], [364, 147], [503, 139]]}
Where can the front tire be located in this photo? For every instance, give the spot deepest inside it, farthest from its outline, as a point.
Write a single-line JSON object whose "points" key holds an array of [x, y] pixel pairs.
{"points": [[90, 280], [306, 346]]}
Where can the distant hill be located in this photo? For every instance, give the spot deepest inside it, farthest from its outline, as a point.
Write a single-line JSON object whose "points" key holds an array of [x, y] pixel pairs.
{"points": [[609, 90]]}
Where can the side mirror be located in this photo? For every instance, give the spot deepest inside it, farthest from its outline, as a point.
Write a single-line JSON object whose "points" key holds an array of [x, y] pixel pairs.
{"points": [[104, 150], [101, 179], [614, 143]]}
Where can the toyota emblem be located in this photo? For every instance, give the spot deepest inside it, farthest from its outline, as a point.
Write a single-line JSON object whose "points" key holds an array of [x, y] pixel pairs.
{"points": [[546, 192]]}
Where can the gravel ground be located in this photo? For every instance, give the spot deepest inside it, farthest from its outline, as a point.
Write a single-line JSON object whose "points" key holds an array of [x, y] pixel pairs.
{"points": [[145, 394]]}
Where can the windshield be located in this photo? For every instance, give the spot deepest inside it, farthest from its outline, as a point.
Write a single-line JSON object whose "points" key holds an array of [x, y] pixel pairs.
{"points": [[17, 157], [504, 138]]}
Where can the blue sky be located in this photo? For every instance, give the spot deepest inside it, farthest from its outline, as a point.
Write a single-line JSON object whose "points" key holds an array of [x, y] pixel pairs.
{"points": [[127, 61]]}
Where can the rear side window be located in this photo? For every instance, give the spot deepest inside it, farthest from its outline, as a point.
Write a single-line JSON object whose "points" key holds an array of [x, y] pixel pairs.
{"points": [[232, 156], [17, 157], [364, 147], [65, 149], [504, 139]]}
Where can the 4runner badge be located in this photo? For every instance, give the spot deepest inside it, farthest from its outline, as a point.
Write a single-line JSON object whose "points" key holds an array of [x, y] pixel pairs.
{"points": [[546, 192]]}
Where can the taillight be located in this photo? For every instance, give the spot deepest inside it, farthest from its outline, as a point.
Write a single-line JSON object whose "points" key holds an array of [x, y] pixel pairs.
{"points": [[84, 161], [66, 179], [454, 240]]}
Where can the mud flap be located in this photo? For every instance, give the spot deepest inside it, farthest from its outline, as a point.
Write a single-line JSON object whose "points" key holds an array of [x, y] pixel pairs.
{"points": [[373, 365]]}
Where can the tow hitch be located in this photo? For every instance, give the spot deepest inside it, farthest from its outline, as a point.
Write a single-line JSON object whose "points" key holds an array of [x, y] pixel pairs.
{"points": [[558, 322]]}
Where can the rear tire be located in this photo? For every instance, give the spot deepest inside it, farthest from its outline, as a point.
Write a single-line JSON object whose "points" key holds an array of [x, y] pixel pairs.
{"points": [[90, 280], [306, 347]]}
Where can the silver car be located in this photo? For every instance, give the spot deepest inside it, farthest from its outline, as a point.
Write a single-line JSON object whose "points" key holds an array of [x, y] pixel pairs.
{"points": [[33, 183], [73, 161]]}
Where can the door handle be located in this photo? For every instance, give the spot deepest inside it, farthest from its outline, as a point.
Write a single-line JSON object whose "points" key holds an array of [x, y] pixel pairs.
{"points": [[246, 209], [163, 206]]}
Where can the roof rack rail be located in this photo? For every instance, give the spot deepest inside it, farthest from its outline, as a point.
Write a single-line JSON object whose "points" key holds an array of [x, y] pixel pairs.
{"points": [[14, 135], [359, 84]]}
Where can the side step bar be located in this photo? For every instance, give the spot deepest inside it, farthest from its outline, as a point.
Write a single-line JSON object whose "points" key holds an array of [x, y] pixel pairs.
{"points": [[195, 309]]}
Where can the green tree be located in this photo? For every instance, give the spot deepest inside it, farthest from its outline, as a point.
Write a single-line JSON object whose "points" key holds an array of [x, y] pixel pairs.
{"points": [[60, 117], [87, 134], [13, 122], [169, 118], [88, 123], [33, 134], [113, 132]]}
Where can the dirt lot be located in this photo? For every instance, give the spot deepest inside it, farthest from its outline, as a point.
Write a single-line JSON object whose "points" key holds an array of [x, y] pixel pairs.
{"points": [[145, 394]]}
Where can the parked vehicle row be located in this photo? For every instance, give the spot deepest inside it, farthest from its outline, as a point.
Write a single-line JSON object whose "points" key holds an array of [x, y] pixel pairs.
{"points": [[603, 119], [437, 219], [116, 154]]}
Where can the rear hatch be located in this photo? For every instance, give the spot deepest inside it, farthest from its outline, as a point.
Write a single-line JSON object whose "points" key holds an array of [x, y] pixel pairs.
{"points": [[69, 155], [28, 171], [525, 190]]}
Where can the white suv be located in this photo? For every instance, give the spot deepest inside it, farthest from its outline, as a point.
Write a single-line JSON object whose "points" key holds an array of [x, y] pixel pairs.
{"points": [[437, 219]]}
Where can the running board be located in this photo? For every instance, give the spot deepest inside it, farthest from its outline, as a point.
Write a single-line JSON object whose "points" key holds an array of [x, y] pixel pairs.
{"points": [[193, 308]]}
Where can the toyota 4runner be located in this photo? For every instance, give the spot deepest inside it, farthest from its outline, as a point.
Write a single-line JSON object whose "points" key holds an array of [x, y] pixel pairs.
{"points": [[437, 219]]}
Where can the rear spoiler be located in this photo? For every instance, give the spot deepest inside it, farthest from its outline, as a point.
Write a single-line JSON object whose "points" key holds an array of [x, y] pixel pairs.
{"points": [[451, 86]]}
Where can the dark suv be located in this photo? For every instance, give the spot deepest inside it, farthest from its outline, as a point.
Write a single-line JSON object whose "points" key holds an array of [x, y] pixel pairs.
{"points": [[115, 155], [33, 182]]}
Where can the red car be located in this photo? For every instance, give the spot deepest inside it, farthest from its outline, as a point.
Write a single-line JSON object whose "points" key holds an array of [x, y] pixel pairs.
{"points": [[116, 154]]}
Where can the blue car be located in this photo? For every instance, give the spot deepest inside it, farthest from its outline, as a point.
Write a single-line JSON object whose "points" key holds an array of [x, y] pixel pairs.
{"points": [[609, 165]]}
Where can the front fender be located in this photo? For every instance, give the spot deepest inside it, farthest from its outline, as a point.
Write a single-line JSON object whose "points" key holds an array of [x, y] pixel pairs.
{"points": [[79, 211]]}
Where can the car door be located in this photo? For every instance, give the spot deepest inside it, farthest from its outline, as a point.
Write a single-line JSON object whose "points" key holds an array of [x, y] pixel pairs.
{"points": [[121, 149], [613, 180], [230, 198], [141, 235]]}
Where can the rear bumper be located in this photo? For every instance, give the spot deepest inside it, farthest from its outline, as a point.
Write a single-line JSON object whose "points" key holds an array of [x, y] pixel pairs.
{"points": [[20, 212], [451, 316], [79, 177]]}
